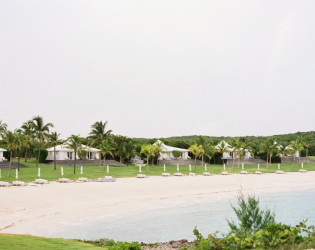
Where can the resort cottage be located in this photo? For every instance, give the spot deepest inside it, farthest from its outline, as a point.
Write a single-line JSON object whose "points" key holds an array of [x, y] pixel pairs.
{"points": [[167, 152], [230, 154], [64, 152], [1, 155]]}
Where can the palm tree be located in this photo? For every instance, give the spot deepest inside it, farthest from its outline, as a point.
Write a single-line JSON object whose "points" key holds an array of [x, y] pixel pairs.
{"points": [[29, 136], [106, 148], [10, 142], [148, 151], [222, 148], [54, 141], [293, 148], [74, 142], [99, 134], [201, 141], [129, 149], [157, 150], [235, 149], [268, 148], [20, 142], [3, 128], [196, 151], [41, 132]]}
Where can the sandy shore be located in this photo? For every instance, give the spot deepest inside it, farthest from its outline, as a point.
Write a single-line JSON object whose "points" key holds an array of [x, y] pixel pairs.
{"points": [[40, 210]]}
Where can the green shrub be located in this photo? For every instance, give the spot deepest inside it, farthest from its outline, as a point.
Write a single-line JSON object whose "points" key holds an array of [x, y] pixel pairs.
{"points": [[43, 155], [106, 242], [176, 154], [126, 246], [82, 154], [250, 216]]}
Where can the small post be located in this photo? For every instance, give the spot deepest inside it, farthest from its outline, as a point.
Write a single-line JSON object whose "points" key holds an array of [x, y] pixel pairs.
{"points": [[302, 167], [62, 171], [243, 166], [224, 167], [258, 166], [164, 169], [107, 169], [81, 170], [189, 167], [177, 168], [38, 172], [278, 165], [0, 173], [139, 168], [205, 167], [16, 174]]}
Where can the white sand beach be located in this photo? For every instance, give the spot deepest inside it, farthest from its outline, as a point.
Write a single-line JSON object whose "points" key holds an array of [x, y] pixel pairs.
{"points": [[40, 210]]}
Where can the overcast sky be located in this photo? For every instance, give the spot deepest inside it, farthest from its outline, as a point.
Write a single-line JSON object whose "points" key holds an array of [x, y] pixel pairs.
{"points": [[159, 68]]}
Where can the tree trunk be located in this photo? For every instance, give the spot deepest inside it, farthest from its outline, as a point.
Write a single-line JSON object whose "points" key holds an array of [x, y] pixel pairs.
{"points": [[10, 164], [293, 163], [19, 161], [152, 161], [39, 147], [75, 161], [195, 162], [25, 159], [54, 157], [238, 162], [233, 163], [104, 161], [270, 159], [267, 161], [147, 163]]}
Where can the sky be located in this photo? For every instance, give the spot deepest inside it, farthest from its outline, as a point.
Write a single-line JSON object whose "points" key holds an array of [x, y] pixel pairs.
{"points": [[159, 68]]}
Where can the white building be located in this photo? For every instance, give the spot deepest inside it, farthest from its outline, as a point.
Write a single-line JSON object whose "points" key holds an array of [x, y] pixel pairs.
{"points": [[1, 154], [64, 152], [230, 154], [167, 152]]}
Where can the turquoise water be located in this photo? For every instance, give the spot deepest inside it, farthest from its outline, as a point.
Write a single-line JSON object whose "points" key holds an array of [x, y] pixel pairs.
{"points": [[178, 223]]}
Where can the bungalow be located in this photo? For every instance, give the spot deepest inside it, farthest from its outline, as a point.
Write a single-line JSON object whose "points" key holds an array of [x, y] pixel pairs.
{"points": [[64, 152], [229, 154], [167, 152], [1, 155]]}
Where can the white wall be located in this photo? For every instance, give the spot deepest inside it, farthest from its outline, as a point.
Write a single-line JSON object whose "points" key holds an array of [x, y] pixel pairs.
{"points": [[1, 155]]}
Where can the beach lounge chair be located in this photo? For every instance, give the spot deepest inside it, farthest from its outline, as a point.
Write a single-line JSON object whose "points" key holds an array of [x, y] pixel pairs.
{"points": [[178, 174], [166, 174], [40, 181], [192, 174], [258, 172], [243, 172], [4, 184], [303, 171], [64, 180], [18, 183], [206, 174], [279, 172], [225, 173], [141, 175], [83, 179]]}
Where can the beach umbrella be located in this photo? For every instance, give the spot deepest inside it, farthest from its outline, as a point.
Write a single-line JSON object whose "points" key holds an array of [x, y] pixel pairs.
{"points": [[16, 174], [164, 168], [190, 167], [38, 172], [81, 172], [107, 169], [177, 168], [62, 171]]}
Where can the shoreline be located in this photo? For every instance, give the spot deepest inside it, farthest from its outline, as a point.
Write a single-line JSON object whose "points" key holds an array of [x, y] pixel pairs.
{"points": [[42, 210]]}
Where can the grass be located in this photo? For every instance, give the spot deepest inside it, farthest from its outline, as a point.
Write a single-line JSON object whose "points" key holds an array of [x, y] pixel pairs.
{"points": [[24, 242], [93, 172]]}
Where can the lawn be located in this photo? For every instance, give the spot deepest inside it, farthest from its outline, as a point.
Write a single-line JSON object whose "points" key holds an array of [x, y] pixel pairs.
{"points": [[93, 172], [16, 242]]}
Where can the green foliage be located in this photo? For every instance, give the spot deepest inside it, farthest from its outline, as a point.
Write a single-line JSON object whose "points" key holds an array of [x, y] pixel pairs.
{"points": [[82, 154], [106, 242], [250, 216], [126, 246], [274, 235], [43, 154], [177, 153]]}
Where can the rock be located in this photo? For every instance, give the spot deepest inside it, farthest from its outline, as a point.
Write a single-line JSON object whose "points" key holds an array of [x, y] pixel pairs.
{"points": [[192, 174], [166, 174], [4, 184], [141, 175], [18, 183], [40, 181], [206, 174], [178, 174]]}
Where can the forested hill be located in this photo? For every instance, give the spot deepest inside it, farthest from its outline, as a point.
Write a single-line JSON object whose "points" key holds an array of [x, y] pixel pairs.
{"points": [[283, 139]]}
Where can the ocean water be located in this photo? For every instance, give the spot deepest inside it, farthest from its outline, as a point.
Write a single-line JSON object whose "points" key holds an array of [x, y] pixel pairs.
{"points": [[176, 223]]}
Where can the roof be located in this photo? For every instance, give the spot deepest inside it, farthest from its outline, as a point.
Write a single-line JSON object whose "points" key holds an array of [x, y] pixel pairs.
{"points": [[66, 148], [2, 150], [166, 148]]}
